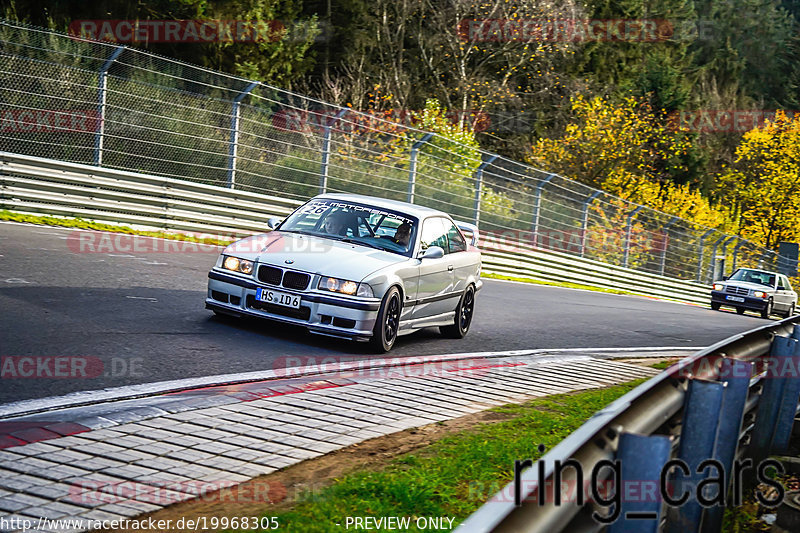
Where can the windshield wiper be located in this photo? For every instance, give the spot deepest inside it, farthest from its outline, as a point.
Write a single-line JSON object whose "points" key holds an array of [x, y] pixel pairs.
{"points": [[362, 243]]}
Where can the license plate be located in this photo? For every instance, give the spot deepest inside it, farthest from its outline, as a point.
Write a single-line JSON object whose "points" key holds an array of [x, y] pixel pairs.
{"points": [[278, 298], [734, 298]]}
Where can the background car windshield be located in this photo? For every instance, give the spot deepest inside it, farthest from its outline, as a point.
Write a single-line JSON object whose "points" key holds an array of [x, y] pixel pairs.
{"points": [[371, 226], [753, 276]]}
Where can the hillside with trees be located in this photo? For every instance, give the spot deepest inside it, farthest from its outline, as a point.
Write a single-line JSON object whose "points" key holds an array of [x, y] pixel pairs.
{"points": [[667, 103]]}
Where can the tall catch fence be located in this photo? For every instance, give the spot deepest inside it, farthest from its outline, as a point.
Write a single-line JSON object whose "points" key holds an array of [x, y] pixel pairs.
{"points": [[109, 105]]}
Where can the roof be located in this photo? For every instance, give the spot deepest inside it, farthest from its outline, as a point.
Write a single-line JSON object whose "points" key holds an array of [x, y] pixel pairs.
{"points": [[395, 205]]}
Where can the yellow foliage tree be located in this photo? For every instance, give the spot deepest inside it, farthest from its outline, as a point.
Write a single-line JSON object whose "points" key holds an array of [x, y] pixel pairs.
{"points": [[626, 150], [763, 187]]}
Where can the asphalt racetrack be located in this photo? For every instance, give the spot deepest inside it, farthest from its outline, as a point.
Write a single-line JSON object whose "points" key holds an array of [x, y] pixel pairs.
{"points": [[127, 316]]}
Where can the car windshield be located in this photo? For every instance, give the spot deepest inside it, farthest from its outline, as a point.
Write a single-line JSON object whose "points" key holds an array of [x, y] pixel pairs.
{"points": [[754, 276], [355, 223]]}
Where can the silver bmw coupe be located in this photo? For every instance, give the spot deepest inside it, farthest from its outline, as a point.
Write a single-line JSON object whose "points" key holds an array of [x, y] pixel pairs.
{"points": [[356, 267]]}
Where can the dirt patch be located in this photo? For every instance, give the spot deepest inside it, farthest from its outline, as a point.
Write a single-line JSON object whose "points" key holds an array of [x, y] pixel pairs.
{"points": [[649, 361], [279, 491]]}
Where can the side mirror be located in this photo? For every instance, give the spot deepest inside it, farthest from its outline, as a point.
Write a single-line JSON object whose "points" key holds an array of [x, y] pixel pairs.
{"points": [[273, 222], [781, 288], [724, 278], [433, 252]]}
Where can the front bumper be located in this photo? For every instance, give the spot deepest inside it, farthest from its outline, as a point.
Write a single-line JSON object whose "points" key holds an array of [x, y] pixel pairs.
{"points": [[722, 298], [321, 313]]}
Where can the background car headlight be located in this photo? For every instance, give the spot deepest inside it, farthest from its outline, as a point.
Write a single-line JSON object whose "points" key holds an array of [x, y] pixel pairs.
{"points": [[759, 294], [237, 265], [345, 286], [718, 286]]}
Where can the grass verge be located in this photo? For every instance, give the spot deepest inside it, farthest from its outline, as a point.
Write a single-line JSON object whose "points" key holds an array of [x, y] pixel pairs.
{"points": [[564, 284], [79, 223], [453, 476]]}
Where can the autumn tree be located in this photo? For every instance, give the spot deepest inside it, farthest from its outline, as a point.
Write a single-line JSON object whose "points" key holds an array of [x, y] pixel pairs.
{"points": [[763, 185]]}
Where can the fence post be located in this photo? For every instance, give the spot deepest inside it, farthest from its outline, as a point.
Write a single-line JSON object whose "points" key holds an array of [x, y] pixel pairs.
{"points": [[628, 231], [700, 254], [537, 205], [714, 256], [102, 90], [585, 222], [412, 172], [326, 150], [233, 148], [665, 229], [736, 253], [478, 186]]}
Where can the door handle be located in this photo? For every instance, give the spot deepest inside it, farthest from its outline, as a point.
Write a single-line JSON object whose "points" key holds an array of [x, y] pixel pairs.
{"points": [[449, 268]]}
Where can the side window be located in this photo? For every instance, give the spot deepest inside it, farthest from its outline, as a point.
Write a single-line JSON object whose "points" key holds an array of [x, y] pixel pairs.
{"points": [[457, 242], [433, 234], [785, 282]]}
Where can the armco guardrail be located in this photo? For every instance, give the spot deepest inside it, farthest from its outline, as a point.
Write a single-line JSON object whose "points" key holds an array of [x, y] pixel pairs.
{"points": [[45, 186], [727, 408], [36, 185]]}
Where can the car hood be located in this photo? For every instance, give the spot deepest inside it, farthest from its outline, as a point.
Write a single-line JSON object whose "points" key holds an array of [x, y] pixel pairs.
{"points": [[309, 253], [748, 285]]}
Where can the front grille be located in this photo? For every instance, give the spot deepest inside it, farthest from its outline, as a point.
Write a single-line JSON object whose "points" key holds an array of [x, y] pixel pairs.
{"points": [[296, 280], [737, 290], [303, 313], [270, 274]]}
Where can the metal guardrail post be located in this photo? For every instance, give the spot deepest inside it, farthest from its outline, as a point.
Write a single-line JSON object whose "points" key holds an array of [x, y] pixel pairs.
{"points": [[736, 376], [698, 439], [780, 384], [628, 231], [585, 219], [102, 91], [641, 460], [665, 229], [412, 166], [700, 254], [326, 150], [537, 206], [791, 394], [479, 186], [233, 148]]}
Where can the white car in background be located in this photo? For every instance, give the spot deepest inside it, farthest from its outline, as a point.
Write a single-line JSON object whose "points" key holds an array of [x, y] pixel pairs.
{"points": [[758, 290], [356, 267]]}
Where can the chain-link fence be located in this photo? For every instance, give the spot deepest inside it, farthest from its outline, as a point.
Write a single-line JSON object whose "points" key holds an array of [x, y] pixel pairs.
{"points": [[70, 99]]}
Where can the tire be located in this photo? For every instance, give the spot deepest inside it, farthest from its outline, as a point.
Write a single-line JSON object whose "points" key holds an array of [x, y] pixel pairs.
{"points": [[740, 310], [463, 319], [767, 310], [715, 306], [790, 312], [384, 334]]}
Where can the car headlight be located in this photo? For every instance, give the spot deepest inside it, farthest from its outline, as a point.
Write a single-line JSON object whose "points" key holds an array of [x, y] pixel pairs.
{"points": [[718, 286], [346, 287], [759, 294], [237, 265]]}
